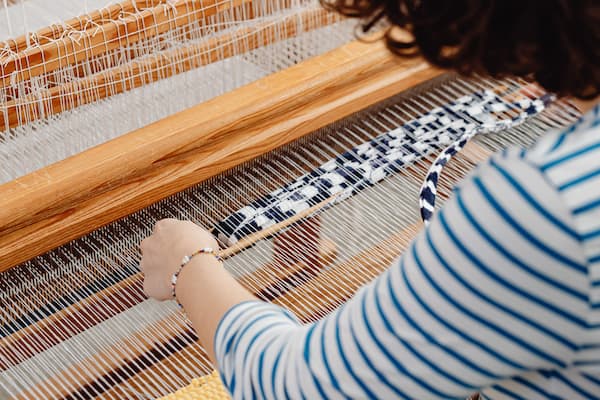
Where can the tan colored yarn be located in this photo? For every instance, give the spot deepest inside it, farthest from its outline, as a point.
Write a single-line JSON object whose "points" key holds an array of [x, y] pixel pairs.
{"points": [[208, 387]]}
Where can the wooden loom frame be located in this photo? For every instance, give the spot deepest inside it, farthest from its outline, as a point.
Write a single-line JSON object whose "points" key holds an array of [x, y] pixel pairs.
{"points": [[99, 33], [68, 199], [94, 40]]}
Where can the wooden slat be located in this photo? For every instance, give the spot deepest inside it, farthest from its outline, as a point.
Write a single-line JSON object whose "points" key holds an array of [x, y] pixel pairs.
{"points": [[82, 22], [163, 65], [66, 200], [109, 36]]}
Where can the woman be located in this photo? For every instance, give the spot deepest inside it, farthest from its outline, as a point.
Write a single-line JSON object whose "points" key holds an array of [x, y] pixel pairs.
{"points": [[500, 294]]}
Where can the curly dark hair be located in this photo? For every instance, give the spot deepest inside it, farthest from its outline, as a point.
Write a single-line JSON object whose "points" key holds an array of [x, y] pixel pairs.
{"points": [[554, 42]]}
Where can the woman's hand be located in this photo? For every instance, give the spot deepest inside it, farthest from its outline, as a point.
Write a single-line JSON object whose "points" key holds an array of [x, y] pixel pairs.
{"points": [[204, 288], [163, 251]]}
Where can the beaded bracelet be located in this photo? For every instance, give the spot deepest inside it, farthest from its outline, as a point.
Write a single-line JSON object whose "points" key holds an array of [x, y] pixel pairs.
{"points": [[184, 262]]}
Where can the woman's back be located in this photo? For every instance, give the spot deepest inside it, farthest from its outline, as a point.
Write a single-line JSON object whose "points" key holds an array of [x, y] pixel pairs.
{"points": [[501, 293], [570, 162]]}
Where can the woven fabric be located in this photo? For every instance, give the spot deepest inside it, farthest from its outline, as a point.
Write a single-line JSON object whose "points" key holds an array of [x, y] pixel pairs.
{"points": [[208, 387], [368, 163], [428, 190]]}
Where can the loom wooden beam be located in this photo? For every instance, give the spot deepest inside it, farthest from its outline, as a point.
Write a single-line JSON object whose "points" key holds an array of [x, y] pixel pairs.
{"points": [[68, 199], [156, 67], [110, 35], [82, 22]]}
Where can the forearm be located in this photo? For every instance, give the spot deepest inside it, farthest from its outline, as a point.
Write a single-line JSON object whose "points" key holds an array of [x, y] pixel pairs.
{"points": [[206, 291]]}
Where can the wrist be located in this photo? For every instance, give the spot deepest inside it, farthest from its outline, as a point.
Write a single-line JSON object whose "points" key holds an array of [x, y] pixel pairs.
{"points": [[192, 275]]}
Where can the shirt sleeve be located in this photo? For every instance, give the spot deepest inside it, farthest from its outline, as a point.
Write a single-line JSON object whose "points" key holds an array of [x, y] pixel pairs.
{"points": [[496, 286]]}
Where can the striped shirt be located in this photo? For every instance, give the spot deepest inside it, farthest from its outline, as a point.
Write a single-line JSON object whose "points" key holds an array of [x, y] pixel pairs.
{"points": [[500, 294]]}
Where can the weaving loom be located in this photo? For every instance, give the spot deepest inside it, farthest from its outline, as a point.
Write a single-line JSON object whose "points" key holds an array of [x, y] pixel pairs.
{"points": [[304, 151]]}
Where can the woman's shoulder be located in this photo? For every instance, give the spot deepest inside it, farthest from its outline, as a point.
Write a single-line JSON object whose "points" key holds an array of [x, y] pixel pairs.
{"points": [[570, 161], [561, 149]]}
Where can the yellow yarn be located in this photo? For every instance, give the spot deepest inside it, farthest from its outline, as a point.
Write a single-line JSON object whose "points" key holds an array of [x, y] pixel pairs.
{"points": [[208, 387]]}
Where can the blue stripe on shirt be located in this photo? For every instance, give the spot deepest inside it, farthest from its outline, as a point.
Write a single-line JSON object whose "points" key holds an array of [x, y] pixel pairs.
{"points": [[483, 321], [405, 343], [489, 238], [592, 379], [561, 139], [563, 136], [574, 386], [525, 195], [524, 232], [591, 235], [569, 157], [535, 388], [475, 291], [383, 379], [261, 360], [307, 357], [507, 392], [227, 345], [463, 334], [579, 180], [582, 363], [299, 385], [587, 207], [500, 280], [332, 377], [239, 337], [431, 339], [255, 337], [246, 328], [274, 372], [349, 369]]}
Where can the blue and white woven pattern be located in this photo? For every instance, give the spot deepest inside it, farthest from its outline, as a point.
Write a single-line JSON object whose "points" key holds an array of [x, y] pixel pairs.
{"points": [[428, 191], [450, 125]]}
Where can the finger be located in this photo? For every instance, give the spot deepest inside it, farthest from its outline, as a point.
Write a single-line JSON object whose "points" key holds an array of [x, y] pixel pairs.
{"points": [[145, 245], [157, 227], [192, 223], [163, 223]]}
